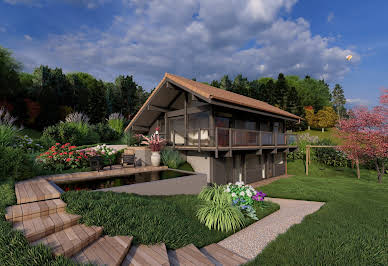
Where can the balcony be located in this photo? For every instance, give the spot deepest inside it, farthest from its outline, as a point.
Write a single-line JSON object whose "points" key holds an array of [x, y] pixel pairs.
{"points": [[230, 138]]}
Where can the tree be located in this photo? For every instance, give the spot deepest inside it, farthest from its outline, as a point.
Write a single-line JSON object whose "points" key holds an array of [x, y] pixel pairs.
{"points": [[326, 117], [339, 100], [365, 135], [281, 92], [241, 85], [310, 116], [315, 93], [226, 83], [215, 83], [127, 87], [97, 110], [269, 92]]}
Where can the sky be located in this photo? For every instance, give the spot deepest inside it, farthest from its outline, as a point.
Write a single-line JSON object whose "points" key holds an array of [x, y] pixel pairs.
{"points": [[205, 39]]}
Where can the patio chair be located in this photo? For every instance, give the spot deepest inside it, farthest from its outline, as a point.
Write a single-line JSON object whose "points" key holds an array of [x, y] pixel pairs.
{"points": [[128, 158]]}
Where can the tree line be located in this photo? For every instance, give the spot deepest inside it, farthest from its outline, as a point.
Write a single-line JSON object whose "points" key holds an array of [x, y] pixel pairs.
{"points": [[47, 95]]}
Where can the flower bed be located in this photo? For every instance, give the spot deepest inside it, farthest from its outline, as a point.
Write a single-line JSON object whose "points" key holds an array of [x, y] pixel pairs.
{"points": [[62, 157]]}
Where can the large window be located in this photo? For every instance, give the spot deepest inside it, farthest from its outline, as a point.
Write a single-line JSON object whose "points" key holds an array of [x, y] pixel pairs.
{"points": [[198, 121], [177, 125], [244, 124]]}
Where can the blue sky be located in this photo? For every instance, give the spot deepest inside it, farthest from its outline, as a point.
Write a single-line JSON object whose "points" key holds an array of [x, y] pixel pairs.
{"points": [[204, 39]]}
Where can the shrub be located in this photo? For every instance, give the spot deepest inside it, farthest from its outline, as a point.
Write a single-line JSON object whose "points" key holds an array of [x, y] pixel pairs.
{"points": [[217, 211], [15, 163], [62, 157], [300, 153], [130, 139], [108, 154], [77, 117], [8, 129], [116, 122], [330, 156], [171, 158], [105, 132], [27, 144]]}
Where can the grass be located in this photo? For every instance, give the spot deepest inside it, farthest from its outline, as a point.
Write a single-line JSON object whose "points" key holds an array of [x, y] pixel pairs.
{"points": [[172, 174], [150, 219], [327, 134], [350, 229], [14, 248]]}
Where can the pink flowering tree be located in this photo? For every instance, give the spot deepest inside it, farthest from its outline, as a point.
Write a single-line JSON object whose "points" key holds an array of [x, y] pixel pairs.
{"points": [[365, 135]]}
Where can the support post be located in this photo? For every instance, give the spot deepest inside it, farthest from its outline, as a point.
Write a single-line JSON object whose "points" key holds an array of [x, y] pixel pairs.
{"points": [[173, 138], [211, 126], [230, 139], [307, 159], [260, 138], [216, 136], [165, 127], [199, 140], [185, 117], [285, 154]]}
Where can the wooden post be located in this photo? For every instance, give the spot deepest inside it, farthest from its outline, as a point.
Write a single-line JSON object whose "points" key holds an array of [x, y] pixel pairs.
{"points": [[211, 126], [230, 139], [273, 138], [185, 118], [285, 154], [199, 140], [260, 138], [307, 159], [216, 136], [165, 127], [173, 138]]}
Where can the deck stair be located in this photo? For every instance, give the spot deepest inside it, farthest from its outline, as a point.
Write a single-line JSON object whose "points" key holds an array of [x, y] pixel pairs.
{"points": [[222, 256], [106, 250], [35, 190], [36, 228], [188, 255], [147, 255]]}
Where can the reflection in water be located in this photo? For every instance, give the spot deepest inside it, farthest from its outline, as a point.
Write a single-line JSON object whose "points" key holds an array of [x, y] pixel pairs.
{"points": [[111, 182]]}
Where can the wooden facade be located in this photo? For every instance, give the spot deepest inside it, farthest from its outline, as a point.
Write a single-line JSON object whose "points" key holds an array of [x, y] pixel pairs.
{"points": [[238, 143]]}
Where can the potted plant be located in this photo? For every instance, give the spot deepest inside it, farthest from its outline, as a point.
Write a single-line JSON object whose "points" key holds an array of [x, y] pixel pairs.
{"points": [[155, 143]]}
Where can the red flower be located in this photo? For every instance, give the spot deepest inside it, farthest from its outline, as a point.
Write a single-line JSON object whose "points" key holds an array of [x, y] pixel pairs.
{"points": [[55, 153], [61, 153], [64, 152], [50, 157], [68, 159], [57, 143], [79, 157], [76, 160], [67, 144], [63, 146], [73, 147], [71, 153], [46, 152]]}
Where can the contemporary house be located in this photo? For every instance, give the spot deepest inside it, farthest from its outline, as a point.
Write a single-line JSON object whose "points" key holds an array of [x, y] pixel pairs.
{"points": [[228, 136]]}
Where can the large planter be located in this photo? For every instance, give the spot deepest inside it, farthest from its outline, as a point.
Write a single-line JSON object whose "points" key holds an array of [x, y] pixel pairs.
{"points": [[155, 158]]}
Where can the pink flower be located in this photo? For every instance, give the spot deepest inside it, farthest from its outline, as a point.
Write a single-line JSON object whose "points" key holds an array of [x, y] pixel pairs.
{"points": [[68, 159]]}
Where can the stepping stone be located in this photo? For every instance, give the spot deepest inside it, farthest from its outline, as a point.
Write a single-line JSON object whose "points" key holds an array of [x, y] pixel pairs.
{"points": [[222, 256], [188, 255], [147, 255], [35, 190], [71, 240], [106, 250], [36, 228], [26, 211]]}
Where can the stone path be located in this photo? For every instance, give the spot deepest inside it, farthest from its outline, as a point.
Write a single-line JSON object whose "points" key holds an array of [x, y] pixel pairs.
{"points": [[250, 241]]}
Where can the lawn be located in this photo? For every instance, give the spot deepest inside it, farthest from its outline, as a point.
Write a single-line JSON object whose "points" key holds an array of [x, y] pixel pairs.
{"points": [[350, 229], [150, 219]]}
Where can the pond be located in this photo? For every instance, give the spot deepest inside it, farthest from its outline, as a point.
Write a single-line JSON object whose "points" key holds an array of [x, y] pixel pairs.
{"points": [[116, 181]]}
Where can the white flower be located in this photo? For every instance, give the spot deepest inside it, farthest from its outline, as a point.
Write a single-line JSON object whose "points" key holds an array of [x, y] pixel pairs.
{"points": [[249, 193], [234, 195], [229, 184], [227, 190], [242, 193]]}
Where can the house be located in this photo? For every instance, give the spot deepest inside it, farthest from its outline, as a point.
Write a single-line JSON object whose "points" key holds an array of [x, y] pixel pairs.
{"points": [[228, 136]]}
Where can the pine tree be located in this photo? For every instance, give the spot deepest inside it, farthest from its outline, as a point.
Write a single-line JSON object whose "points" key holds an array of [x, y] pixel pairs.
{"points": [[339, 100], [226, 83], [281, 92]]}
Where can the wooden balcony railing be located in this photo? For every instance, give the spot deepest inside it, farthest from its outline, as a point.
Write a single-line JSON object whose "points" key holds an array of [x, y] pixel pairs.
{"points": [[230, 137]]}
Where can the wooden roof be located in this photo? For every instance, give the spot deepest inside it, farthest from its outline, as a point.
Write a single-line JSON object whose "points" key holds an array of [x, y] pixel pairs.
{"points": [[209, 93]]}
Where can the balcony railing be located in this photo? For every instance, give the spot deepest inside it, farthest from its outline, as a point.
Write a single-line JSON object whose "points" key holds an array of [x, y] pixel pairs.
{"points": [[230, 137]]}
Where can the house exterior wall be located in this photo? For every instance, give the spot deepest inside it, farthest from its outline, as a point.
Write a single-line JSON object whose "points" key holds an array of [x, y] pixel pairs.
{"points": [[200, 163]]}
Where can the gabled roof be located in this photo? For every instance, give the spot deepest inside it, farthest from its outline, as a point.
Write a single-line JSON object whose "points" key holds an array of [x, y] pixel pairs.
{"points": [[209, 93]]}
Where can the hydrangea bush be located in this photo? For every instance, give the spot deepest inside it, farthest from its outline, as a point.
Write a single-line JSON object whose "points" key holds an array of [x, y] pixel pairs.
{"points": [[243, 196], [62, 157], [28, 144]]}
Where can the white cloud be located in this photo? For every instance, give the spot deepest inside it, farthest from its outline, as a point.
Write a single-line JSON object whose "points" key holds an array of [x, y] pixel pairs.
{"points": [[357, 101], [39, 3], [35, 3], [196, 38], [27, 37], [330, 17]]}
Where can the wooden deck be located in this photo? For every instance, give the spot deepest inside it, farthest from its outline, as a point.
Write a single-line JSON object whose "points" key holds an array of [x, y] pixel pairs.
{"points": [[117, 170], [227, 148], [35, 190]]}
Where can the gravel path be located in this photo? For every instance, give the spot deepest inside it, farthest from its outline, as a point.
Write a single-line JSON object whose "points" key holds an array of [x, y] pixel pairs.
{"points": [[250, 241]]}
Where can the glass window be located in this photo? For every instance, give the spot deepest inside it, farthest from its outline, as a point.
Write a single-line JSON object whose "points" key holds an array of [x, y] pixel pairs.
{"points": [[222, 122], [199, 120], [244, 124]]}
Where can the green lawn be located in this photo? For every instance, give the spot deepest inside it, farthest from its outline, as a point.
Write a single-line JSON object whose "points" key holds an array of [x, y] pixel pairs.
{"points": [[150, 219], [327, 134], [350, 229]]}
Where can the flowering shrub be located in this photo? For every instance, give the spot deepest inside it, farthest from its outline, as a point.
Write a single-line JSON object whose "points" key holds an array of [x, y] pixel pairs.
{"points": [[62, 157], [27, 144], [155, 142], [108, 154], [243, 196]]}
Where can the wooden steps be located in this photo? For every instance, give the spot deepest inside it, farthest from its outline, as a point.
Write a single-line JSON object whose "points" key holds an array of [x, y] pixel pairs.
{"points": [[222, 256], [147, 255], [26, 211], [35, 190], [36, 228], [188, 255], [71, 240], [105, 251]]}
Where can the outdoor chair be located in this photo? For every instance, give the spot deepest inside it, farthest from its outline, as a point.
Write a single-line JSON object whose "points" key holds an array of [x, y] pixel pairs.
{"points": [[128, 158]]}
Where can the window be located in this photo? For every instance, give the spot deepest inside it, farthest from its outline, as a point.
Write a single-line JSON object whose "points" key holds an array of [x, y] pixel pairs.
{"points": [[199, 120]]}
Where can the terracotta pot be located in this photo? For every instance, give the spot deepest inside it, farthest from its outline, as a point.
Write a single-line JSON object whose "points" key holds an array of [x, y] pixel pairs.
{"points": [[155, 158]]}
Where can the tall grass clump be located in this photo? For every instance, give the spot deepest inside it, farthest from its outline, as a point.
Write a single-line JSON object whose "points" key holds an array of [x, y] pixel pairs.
{"points": [[80, 120], [116, 122], [130, 139], [217, 211], [171, 158], [8, 129]]}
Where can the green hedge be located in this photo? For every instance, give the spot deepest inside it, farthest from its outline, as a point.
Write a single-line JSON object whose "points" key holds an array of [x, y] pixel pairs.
{"points": [[15, 163]]}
